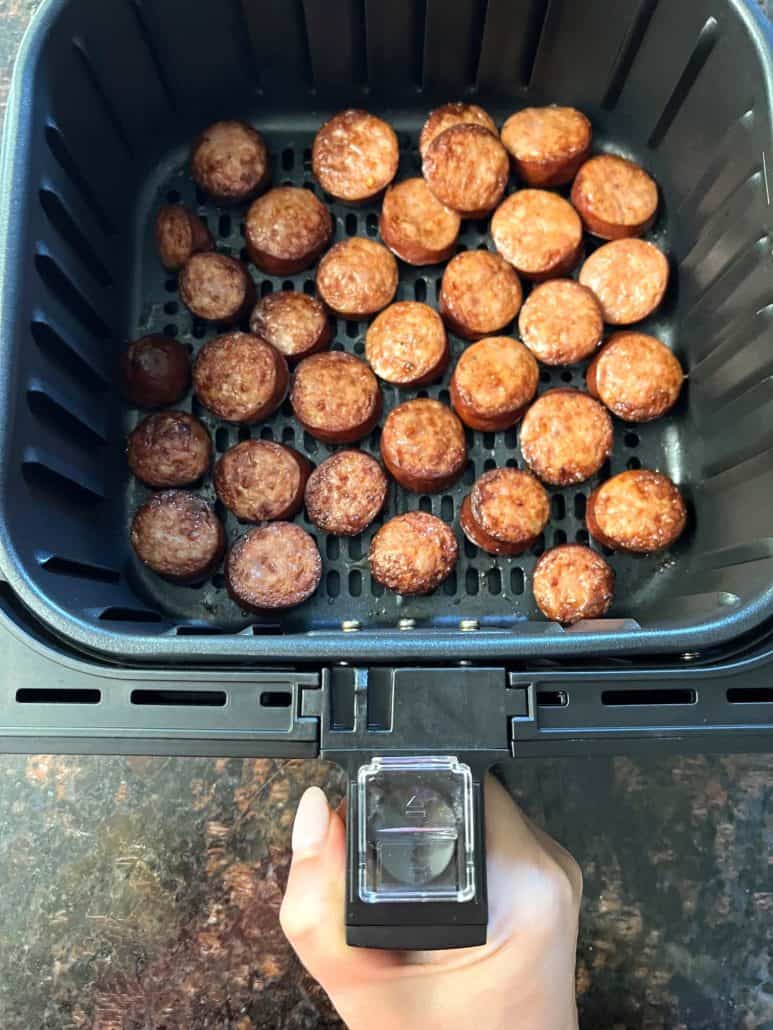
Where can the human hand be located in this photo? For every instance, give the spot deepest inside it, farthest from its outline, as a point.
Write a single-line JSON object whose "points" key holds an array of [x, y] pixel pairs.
{"points": [[522, 979]]}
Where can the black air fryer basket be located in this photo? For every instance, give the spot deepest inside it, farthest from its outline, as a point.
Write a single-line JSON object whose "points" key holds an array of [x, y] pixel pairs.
{"points": [[105, 100]]}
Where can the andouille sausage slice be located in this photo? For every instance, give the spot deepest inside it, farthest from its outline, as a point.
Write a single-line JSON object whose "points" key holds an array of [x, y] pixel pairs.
{"points": [[638, 510], [286, 230], [336, 397], [561, 322], [423, 445], [547, 144], [357, 278], [155, 371], [407, 344], [479, 294], [240, 377], [413, 553], [170, 448], [217, 288], [572, 583], [345, 493], [355, 156], [493, 383], [457, 113], [629, 278], [566, 436], [538, 232], [296, 324], [178, 536], [636, 376], [615, 197], [259, 480], [416, 226], [179, 235], [273, 566], [230, 162], [467, 168], [505, 511]]}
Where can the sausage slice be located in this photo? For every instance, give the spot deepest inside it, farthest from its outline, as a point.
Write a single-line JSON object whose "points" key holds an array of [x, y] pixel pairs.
{"points": [[538, 232], [547, 144], [336, 397], [423, 445], [636, 376], [571, 583], [407, 344], [505, 511], [561, 322], [493, 383], [155, 371], [629, 278], [416, 226], [357, 278], [566, 436], [170, 448], [345, 493], [457, 113], [273, 566], [479, 294], [259, 480], [178, 536], [637, 511], [180, 234], [296, 324], [240, 377], [355, 156], [286, 230], [217, 288], [467, 168], [413, 553], [615, 197], [230, 162]]}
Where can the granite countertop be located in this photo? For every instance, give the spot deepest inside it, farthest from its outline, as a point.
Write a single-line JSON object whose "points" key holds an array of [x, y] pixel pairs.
{"points": [[142, 893]]}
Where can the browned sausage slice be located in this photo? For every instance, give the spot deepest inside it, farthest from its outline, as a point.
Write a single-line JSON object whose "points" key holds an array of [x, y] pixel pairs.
{"points": [[572, 583], [466, 167], [259, 480], [230, 162], [407, 344], [179, 234], [170, 448], [336, 397], [547, 144], [273, 566], [506, 512], [355, 155], [493, 383], [416, 226], [629, 278], [296, 324], [457, 113], [638, 511], [538, 232], [217, 288], [615, 197], [240, 377], [566, 437], [178, 536], [423, 445], [286, 230], [636, 376], [479, 294], [156, 371], [413, 553], [357, 278], [561, 322], [345, 493]]}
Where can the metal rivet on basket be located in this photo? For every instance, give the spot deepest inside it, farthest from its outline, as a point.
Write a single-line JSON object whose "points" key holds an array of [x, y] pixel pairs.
{"points": [[689, 656], [468, 625], [406, 624], [351, 625]]}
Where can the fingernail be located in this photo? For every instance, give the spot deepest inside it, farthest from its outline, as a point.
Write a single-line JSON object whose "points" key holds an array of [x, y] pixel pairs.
{"points": [[311, 824]]}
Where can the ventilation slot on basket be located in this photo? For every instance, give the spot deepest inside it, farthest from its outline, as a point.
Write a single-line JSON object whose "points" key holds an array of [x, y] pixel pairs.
{"points": [[750, 695], [104, 100], [628, 53], [61, 484], [552, 699], [180, 698], [275, 699], [65, 225], [64, 159], [60, 566], [49, 696], [147, 38], [655, 696], [533, 36], [117, 614], [707, 39], [69, 358], [66, 292], [62, 420]]}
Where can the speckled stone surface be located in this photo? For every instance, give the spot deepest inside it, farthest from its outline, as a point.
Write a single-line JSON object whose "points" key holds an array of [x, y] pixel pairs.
{"points": [[142, 894]]}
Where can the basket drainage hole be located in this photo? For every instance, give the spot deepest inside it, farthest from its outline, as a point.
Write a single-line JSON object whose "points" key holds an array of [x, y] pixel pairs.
{"points": [[180, 698], [173, 197], [649, 697], [224, 225], [275, 699], [633, 463], [47, 696], [171, 307], [552, 699], [750, 695], [631, 440], [566, 376]]}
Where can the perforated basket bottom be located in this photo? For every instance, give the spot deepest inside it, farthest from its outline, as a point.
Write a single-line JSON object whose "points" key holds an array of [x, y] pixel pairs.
{"points": [[492, 591]]}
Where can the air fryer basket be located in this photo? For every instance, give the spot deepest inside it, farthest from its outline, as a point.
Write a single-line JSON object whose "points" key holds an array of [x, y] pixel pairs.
{"points": [[104, 103]]}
